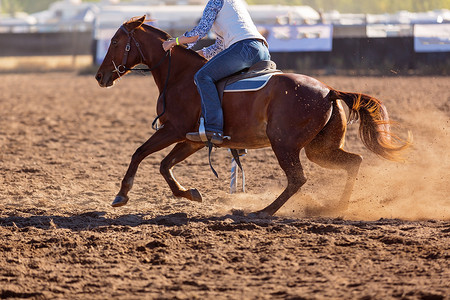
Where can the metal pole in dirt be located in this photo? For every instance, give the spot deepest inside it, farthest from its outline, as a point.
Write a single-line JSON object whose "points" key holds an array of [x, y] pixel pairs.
{"points": [[235, 172], [233, 177]]}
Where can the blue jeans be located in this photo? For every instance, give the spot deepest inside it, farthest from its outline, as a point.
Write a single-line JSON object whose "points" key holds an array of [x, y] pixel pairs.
{"points": [[238, 56]]}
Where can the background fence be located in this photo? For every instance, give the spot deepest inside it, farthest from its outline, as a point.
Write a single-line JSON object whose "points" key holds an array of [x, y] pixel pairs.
{"points": [[46, 44], [361, 55], [366, 56]]}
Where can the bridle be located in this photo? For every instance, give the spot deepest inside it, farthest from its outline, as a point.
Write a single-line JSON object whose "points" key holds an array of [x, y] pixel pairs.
{"points": [[121, 69]]}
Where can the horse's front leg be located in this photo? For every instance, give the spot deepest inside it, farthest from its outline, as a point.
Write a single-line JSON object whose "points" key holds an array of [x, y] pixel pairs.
{"points": [[179, 153], [161, 139]]}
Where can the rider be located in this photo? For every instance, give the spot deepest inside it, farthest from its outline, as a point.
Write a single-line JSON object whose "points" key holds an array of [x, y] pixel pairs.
{"points": [[239, 45]]}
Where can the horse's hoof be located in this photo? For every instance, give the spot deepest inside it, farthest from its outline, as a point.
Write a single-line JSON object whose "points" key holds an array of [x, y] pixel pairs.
{"points": [[119, 201], [195, 195]]}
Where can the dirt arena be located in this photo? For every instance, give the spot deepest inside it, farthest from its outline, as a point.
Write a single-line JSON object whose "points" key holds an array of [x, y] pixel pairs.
{"points": [[65, 144]]}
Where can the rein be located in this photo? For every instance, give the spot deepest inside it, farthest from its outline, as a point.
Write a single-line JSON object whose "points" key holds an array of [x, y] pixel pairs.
{"points": [[121, 69]]}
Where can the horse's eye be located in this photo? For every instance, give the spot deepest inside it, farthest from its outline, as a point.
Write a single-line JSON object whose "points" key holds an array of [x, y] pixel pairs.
{"points": [[114, 42]]}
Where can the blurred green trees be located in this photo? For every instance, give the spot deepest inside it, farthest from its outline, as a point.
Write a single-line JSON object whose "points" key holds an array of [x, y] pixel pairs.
{"points": [[344, 6], [29, 6]]}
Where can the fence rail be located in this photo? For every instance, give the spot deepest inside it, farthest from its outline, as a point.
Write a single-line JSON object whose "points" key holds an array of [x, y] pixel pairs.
{"points": [[46, 44], [366, 55], [362, 54]]}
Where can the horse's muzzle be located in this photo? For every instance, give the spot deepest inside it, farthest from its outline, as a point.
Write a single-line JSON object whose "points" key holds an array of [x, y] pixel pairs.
{"points": [[99, 77], [103, 81]]}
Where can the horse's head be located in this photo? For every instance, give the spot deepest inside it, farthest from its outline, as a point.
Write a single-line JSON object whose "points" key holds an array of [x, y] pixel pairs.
{"points": [[124, 52]]}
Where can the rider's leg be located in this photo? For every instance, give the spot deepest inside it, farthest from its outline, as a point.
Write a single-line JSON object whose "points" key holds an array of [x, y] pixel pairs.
{"points": [[238, 56]]}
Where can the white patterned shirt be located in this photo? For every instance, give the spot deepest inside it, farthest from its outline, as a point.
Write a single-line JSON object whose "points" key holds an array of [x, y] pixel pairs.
{"points": [[210, 12]]}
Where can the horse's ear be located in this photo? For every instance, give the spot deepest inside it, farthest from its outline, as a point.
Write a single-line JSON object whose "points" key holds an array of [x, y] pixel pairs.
{"points": [[135, 23], [141, 20]]}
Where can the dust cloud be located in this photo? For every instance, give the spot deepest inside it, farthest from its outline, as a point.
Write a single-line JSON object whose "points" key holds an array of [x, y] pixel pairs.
{"points": [[416, 189]]}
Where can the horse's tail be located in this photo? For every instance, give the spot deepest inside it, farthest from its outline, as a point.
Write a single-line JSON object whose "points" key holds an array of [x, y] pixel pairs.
{"points": [[375, 126]]}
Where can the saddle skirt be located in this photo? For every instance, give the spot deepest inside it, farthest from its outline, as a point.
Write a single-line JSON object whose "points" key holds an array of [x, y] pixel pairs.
{"points": [[252, 79], [249, 84]]}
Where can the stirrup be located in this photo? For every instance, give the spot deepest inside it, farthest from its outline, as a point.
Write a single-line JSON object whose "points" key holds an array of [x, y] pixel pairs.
{"points": [[213, 137], [203, 135], [202, 131]]}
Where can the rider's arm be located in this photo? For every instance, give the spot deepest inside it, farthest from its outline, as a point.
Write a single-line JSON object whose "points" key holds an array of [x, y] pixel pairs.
{"points": [[181, 40], [213, 50], [212, 8], [191, 37]]}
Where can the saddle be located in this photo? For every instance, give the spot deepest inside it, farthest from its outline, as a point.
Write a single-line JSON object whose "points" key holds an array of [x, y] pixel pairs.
{"points": [[260, 72]]}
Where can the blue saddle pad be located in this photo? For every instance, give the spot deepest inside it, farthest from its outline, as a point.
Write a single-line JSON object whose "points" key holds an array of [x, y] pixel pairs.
{"points": [[249, 84]]}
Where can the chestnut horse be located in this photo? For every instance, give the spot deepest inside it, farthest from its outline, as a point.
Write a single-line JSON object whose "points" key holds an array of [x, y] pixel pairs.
{"points": [[290, 113]]}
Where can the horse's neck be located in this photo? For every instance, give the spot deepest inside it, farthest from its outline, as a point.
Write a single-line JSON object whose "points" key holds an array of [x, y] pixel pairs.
{"points": [[186, 63], [182, 65]]}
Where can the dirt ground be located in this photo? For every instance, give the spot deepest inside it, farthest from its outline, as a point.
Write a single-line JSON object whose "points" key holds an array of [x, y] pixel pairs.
{"points": [[65, 144]]}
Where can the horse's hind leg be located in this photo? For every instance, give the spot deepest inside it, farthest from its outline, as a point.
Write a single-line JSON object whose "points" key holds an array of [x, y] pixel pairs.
{"points": [[326, 149], [179, 153], [289, 160]]}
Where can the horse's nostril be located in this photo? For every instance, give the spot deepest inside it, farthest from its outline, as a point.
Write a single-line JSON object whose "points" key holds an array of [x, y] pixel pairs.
{"points": [[98, 76]]}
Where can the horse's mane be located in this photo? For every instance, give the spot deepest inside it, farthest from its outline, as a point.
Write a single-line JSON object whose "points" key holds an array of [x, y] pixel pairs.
{"points": [[164, 36], [161, 34], [156, 31]]}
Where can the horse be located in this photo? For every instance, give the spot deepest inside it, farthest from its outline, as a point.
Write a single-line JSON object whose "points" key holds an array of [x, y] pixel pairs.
{"points": [[290, 113]]}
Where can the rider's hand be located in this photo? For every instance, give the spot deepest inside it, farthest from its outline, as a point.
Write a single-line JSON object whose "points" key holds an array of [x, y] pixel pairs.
{"points": [[167, 45], [201, 53]]}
